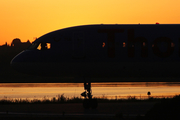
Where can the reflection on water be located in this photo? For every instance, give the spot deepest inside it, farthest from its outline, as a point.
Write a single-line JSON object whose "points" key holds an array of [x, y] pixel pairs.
{"points": [[109, 90]]}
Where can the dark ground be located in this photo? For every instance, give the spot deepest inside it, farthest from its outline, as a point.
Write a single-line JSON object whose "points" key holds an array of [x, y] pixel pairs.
{"points": [[166, 109], [105, 111]]}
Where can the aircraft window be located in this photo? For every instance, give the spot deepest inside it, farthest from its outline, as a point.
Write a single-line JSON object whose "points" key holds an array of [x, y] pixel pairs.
{"points": [[124, 44], [39, 47], [144, 44], [48, 46], [172, 44], [103, 45]]}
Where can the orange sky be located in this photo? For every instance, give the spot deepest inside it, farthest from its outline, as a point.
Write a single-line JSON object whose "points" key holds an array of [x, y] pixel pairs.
{"points": [[27, 19]]}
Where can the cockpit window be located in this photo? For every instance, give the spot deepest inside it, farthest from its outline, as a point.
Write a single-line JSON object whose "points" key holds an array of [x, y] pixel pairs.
{"points": [[44, 46], [40, 46]]}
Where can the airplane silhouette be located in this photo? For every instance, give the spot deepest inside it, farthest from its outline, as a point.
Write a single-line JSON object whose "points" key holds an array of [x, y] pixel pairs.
{"points": [[103, 51]]}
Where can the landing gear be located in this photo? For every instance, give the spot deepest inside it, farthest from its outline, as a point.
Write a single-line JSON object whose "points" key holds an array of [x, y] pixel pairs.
{"points": [[88, 101]]}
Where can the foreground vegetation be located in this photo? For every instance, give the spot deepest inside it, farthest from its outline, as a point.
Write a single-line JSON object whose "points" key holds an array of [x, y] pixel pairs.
{"points": [[63, 99]]}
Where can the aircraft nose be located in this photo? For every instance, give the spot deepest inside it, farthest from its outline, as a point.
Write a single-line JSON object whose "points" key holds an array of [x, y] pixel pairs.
{"points": [[22, 63], [12, 62], [16, 61]]}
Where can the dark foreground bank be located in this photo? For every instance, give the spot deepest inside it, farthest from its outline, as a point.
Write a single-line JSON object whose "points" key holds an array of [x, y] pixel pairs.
{"points": [[76, 111], [133, 109]]}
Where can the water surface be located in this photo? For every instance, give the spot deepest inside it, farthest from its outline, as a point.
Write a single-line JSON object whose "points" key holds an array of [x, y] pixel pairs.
{"points": [[106, 90]]}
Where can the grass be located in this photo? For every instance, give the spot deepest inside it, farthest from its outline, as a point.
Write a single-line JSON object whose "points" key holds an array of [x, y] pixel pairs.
{"points": [[62, 99]]}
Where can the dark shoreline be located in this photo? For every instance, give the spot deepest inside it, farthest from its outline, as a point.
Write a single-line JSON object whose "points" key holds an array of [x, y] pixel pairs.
{"points": [[75, 111], [132, 109]]}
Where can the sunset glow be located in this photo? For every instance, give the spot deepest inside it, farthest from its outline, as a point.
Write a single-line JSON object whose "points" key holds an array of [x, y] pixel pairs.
{"points": [[28, 19]]}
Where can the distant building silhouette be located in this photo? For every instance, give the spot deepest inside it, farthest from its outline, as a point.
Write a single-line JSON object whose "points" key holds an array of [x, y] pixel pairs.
{"points": [[16, 42], [4, 46], [26, 44]]}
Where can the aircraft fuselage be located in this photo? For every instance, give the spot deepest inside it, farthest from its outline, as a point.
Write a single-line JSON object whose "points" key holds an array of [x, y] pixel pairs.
{"points": [[104, 51]]}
